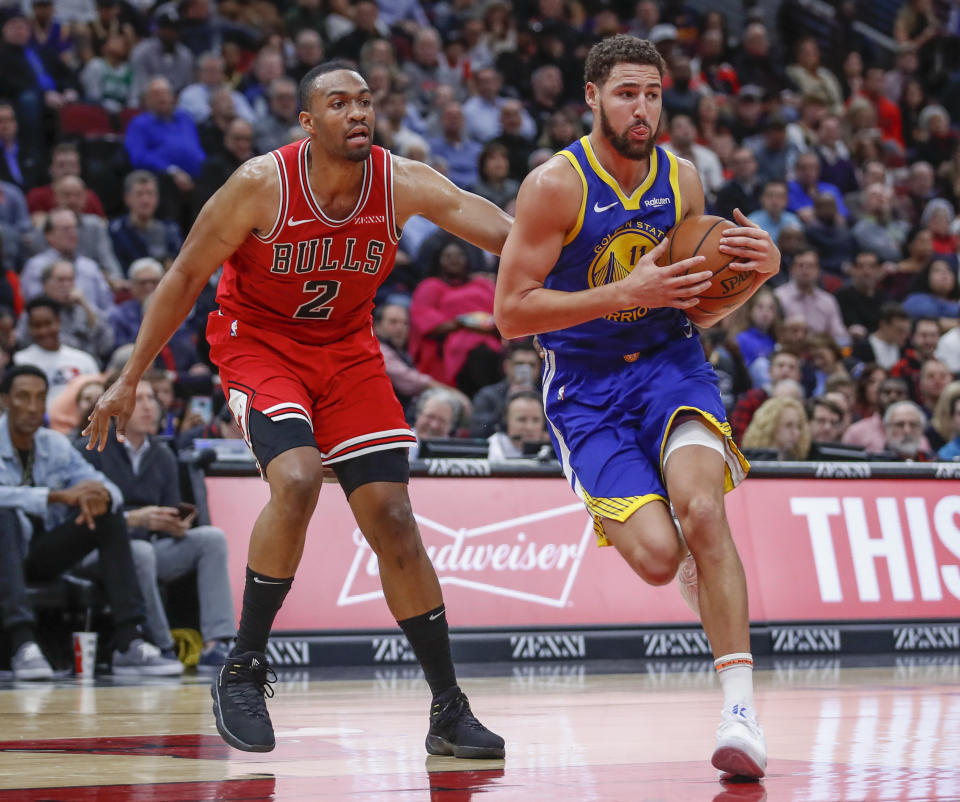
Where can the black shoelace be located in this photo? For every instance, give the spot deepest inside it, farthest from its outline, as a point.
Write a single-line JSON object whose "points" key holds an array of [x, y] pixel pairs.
{"points": [[457, 709], [248, 686]]}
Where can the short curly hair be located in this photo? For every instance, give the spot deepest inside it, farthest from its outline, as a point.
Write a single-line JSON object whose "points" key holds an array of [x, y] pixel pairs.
{"points": [[620, 49]]}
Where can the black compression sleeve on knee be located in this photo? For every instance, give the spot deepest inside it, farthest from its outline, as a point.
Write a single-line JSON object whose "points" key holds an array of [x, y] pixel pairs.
{"points": [[429, 636], [262, 598]]}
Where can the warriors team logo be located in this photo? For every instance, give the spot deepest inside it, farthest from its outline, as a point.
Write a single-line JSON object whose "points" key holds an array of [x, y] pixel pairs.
{"points": [[616, 256]]}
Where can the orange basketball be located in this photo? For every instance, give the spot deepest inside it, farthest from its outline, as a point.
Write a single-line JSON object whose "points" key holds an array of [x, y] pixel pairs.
{"points": [[700, 236]]}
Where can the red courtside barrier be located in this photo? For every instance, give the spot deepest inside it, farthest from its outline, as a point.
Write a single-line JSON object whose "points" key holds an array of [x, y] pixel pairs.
{"points": [[517, 553]]}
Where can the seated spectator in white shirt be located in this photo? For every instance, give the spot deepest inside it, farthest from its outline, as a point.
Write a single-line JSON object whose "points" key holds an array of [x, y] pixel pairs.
{"points": [[59, 362], [523, 422]]}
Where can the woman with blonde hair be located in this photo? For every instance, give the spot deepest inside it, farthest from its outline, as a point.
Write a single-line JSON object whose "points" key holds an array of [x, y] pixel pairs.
{"points": [[780, 424], [942, 428]]}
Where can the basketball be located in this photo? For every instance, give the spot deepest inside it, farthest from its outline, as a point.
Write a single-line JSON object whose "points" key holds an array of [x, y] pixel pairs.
{"points": [[700, 236]]}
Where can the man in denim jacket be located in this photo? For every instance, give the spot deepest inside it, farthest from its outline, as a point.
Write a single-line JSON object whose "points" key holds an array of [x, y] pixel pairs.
{"points": [[55, 509]]}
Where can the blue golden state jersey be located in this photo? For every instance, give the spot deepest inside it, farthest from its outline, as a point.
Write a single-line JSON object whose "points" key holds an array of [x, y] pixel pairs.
{"points": [[612, 233]]}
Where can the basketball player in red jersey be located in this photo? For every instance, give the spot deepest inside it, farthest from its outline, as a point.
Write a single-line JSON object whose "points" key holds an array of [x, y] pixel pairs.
{"points": [[306, 235]]}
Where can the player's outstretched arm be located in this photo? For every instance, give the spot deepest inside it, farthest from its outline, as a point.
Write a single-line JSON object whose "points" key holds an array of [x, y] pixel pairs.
{"points": [[547, 210], [248, 200], [419, 189]]}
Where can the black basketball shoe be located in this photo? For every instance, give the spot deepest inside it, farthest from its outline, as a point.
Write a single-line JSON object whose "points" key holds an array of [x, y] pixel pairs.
{"points": [[454, 730], [238, 702]]}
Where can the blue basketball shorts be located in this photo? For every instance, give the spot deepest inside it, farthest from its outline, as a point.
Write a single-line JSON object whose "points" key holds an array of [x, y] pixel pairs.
{"points": [[610, 416]]}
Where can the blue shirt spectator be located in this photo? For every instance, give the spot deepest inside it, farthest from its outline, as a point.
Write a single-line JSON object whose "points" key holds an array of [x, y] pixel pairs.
{"points": [[460, 154], [161, 138], [802, 191]]}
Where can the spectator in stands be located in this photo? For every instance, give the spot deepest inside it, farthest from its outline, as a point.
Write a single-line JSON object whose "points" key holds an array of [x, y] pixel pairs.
{"points": [[869, 433], [920, 189], [162, 55], [923, 343], [163, 139], [546, 84], [780, 424], [903, 424], [272, 130], [935, 294], [8, 335], [523, 422], [772, 216], [139, 234], [754, 63], [946, 423], [93, 239], [897, 283], [392, 126], [888, 112], [108, 78], [860, 300], [803, 134], [886, 344], [437, 417], [481, 110], [167, 542], [222, 113], [763, 317], [681, 97], [162, 382], [747, 122], [807, 185], [460, 154], [367, 26], [836, 166], [827, 359], [70, 412], [59, 363], [307, 53], [683, 143], [15, 225], [82, 325], [801, 296], [832, 240], [868, 386], [20, 164], [55, 509], [876, 230], [238, 147], [841, 390], [521, 368], [743, 191], [391, 324], [938, 215], [826, 420], [494, 181], [933, 379], [809, 75], [195, 98], [62, 234], [512, 138], [126, 317], [783, 365], [64, 161], [423, 69], [452, 330], [936, 141], [948, 350], [112, 19]]}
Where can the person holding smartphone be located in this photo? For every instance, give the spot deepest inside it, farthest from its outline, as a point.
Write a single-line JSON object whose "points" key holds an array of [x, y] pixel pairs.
{"points": [[166, 541], [521, 370]]}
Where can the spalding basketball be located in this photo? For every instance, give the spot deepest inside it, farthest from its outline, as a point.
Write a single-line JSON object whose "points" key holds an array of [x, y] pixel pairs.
{"points": [[700, 236]]}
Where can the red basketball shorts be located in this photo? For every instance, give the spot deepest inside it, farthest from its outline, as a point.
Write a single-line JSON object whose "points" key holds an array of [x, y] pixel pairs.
{"points": [[284, 394]]}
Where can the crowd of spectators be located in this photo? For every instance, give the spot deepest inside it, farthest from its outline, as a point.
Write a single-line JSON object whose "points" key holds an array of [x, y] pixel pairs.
{"points": [[120, 118]]}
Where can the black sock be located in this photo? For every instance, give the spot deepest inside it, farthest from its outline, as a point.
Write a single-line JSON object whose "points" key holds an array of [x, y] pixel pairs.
{"points": [[429, 636], [262, 597], [20, 634]]}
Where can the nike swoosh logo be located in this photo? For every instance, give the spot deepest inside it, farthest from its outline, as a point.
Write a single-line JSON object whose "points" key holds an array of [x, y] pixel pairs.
{"points": [[291, 222], [260, 581], [435, 616], [598, 208]]}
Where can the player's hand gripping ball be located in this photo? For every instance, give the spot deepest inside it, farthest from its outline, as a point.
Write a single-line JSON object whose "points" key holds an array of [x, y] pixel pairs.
{"points": [[700, 236]]}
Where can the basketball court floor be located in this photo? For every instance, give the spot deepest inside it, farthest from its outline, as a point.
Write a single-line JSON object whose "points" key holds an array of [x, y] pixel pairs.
{"points": [[582, 731]]}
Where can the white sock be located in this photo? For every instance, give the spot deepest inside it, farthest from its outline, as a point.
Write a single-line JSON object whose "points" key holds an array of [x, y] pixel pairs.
{"points": [[735, 672]]}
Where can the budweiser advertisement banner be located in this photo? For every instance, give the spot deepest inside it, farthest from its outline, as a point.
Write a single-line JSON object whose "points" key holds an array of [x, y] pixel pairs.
{"points": [[522, 553]]}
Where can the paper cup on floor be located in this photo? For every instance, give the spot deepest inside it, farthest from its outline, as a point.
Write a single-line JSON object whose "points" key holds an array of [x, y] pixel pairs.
{"points": [[84, 653]]}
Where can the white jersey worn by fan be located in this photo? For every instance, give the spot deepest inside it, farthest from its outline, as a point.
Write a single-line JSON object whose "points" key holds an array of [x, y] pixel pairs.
{"points": [[60, 366]]}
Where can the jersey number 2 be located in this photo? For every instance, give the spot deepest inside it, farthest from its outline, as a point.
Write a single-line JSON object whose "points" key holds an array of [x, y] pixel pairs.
{"points": [[316, 308]]}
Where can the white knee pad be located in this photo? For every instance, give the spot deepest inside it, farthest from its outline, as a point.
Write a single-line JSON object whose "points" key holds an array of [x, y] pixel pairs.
{"points": [[693, 432]]}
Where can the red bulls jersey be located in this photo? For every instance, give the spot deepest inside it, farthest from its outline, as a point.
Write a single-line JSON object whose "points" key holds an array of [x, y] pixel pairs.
{"points": [[312, 278]]}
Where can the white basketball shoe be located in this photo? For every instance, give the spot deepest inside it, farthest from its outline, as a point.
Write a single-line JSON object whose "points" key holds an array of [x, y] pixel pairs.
{"points": [[741, 749]]}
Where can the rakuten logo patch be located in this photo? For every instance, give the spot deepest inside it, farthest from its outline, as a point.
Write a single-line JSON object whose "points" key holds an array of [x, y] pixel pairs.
{"points": [[533, 558]]}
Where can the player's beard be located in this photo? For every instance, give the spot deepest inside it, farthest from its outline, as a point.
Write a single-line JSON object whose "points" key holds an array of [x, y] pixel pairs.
{"points": [[360, 155], [621, 142]]}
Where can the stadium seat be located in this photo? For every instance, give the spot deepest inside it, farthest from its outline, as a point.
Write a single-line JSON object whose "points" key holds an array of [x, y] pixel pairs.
{"points": [[85, 119]]}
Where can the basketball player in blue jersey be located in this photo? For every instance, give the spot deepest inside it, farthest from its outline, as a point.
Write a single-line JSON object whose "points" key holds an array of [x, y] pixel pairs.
{"points": [[632, 404]]}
